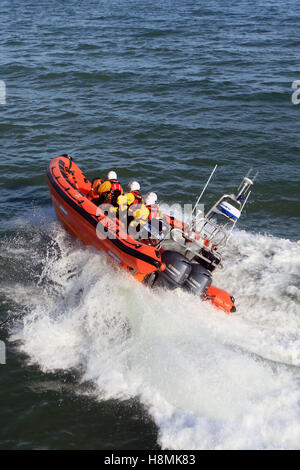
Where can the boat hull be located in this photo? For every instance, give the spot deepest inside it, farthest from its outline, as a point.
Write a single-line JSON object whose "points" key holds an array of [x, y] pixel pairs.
{"points": [[82, 219]]}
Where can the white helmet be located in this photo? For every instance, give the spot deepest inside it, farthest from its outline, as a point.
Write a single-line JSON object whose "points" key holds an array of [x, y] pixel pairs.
{"points": [[112, 175], [150, 199], [134, 186]]}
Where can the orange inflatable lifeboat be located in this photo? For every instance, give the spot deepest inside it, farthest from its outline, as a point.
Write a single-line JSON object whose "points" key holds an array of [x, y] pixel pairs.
{"points": [[69, 189], [151, 263]]}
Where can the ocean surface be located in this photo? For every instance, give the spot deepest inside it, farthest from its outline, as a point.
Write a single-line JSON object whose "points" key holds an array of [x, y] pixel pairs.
{"points": [[160, 91]]}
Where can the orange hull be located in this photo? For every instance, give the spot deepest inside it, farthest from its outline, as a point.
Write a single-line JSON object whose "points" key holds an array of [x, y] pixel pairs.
{"points": [[68, 189], [82, 219], [221, 299]]}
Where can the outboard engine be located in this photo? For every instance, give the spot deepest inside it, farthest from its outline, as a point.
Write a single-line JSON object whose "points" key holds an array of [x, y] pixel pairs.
{"points": [[178, 268], [199, 280]]}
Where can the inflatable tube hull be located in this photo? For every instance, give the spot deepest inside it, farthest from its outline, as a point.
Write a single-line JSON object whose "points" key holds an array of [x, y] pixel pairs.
{"points": [[82, 219]]}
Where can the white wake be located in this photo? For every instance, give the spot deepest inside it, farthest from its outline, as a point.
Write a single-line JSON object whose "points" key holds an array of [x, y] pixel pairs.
{"points": [[209, 380]]}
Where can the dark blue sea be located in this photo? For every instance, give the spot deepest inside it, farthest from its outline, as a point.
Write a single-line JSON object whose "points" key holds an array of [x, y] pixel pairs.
{"points": [[160, 92]]}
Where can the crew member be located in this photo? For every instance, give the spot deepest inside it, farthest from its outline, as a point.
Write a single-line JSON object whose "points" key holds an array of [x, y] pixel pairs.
{"points": [[109, 190], [93, 194], [154, 228], [133, 203], [152, 206]]}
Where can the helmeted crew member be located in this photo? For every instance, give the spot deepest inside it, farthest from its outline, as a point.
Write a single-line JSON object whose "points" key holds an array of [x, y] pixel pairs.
{"points": [[132, 198], [109, 190], [133, 202], [154, 228], [152, 206]]}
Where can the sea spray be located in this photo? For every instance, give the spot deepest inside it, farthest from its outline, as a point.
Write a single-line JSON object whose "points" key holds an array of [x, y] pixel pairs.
{"points": [[209, 380]]}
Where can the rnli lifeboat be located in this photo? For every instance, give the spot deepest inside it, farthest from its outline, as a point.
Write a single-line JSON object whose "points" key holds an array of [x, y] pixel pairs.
{"points": [[185, 259]]}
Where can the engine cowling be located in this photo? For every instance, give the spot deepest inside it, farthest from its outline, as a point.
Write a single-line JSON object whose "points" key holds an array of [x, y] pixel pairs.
{"points": [[198, 280], [177, 270]]}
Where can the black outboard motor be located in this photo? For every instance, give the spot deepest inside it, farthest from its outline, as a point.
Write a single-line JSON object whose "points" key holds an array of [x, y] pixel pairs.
{"points": [[178, 268], [199, 280]]}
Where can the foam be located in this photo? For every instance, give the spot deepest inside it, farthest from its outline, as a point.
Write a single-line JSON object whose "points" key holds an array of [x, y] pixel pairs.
{"points": [[209, 380]]}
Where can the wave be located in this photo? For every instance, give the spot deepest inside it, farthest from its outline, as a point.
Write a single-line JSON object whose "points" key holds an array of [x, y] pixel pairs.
{"points": [[209, 380]]}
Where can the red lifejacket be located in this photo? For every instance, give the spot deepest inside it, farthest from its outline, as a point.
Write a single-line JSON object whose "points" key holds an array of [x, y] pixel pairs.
{"points": [[115, 191], [138, 198], [153, 211], [115, 186]]}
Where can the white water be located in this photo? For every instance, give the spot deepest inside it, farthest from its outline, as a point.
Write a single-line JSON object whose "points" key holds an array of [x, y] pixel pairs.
{"points": [[209, 380]]}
